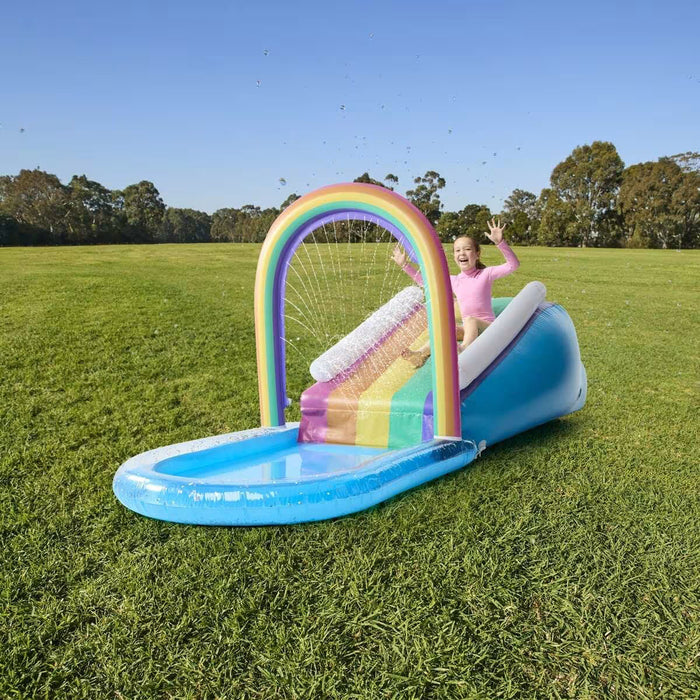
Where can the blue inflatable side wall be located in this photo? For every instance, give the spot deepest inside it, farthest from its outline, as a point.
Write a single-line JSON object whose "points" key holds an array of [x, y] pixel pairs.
{"points": [[270, 478], [538, 378]]}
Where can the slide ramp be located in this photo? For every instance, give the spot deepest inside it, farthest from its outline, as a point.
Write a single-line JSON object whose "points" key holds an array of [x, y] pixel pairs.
{"points": [[379, 399]]}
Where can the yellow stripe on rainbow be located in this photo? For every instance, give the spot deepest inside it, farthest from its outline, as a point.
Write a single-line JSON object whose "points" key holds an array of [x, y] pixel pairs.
{"points": [[373, 425]]}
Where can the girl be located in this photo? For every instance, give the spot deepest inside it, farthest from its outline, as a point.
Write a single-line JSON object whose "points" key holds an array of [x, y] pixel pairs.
{"points": [[471, 287]]}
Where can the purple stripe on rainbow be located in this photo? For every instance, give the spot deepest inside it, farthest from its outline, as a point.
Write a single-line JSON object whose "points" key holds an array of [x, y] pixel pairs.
{"points": [[428, 429]]}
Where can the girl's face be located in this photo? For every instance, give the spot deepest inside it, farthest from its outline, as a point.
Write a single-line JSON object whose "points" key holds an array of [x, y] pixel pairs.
{"points": [[466, 254]]}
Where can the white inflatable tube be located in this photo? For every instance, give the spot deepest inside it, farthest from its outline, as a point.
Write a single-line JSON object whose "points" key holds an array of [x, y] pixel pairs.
{"points": [[354, 345], [496, 338]]}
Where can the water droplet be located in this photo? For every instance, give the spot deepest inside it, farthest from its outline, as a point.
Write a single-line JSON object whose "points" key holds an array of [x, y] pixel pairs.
{"points": [[282, 181], [266, 52], [483, 162], [257, 83], [21, 131], [518, 148], [494, 153], [449, 131], [371, 36]]}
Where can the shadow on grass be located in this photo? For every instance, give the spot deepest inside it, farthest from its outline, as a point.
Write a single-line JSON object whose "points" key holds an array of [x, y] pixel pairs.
{"points": [[545, 436], [541, 435]]}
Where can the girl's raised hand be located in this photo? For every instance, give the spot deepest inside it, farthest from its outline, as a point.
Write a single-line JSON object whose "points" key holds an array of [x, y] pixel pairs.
{"points": [[399, 255], [495, 234]]}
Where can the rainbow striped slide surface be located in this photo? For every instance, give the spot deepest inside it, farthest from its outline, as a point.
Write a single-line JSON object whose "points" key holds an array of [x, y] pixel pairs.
{"points": [[379, 401]]}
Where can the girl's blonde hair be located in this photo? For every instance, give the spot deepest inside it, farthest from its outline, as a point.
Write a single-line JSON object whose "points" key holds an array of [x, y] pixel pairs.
{"points": [[477, 247]]}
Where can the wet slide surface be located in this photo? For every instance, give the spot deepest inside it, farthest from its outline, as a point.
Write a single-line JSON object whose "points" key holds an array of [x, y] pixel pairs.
{"points": [[379, 401]]}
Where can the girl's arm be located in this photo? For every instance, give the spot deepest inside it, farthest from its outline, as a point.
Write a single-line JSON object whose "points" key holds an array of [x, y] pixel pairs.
{"points": [[512, 263], [401, 259]]}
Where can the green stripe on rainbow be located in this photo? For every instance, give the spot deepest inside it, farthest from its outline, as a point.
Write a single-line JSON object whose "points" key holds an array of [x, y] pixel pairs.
{"points": [[395, 210]]}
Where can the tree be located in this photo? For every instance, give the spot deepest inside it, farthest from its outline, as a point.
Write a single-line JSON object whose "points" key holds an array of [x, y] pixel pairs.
{"points": [[10, 233], [290, 200], [369, 180], [688, 161], [425, 195], [557, 222], [223, 225], [686, 200], [473, 220], [253, 223], [523, 217], [449, 226], [185, 226], [144, 209], [660, 204], [588, 181], [249, 223], [390, 177], [38, 202], [92, 213], [470, 221]]}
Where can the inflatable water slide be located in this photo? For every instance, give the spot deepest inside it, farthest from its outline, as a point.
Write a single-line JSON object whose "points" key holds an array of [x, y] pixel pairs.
{"points": [[372, 425]]}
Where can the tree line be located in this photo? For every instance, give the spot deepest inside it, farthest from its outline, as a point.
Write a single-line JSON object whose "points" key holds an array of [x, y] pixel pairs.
{"points": [[592, 200]]}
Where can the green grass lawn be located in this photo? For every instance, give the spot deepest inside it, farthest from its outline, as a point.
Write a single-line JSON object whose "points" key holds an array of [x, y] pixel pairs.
{"points": [[563, 563]]}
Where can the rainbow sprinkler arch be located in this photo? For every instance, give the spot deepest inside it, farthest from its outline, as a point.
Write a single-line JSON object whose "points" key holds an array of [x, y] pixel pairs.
{"points": [[402, 426]]}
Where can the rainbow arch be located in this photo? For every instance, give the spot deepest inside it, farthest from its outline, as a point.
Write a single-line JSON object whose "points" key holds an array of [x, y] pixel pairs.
{"points": [[410, 227]]}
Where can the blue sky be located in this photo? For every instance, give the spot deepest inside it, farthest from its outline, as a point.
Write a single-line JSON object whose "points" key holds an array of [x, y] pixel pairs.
{"points": [[216, 102]]}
